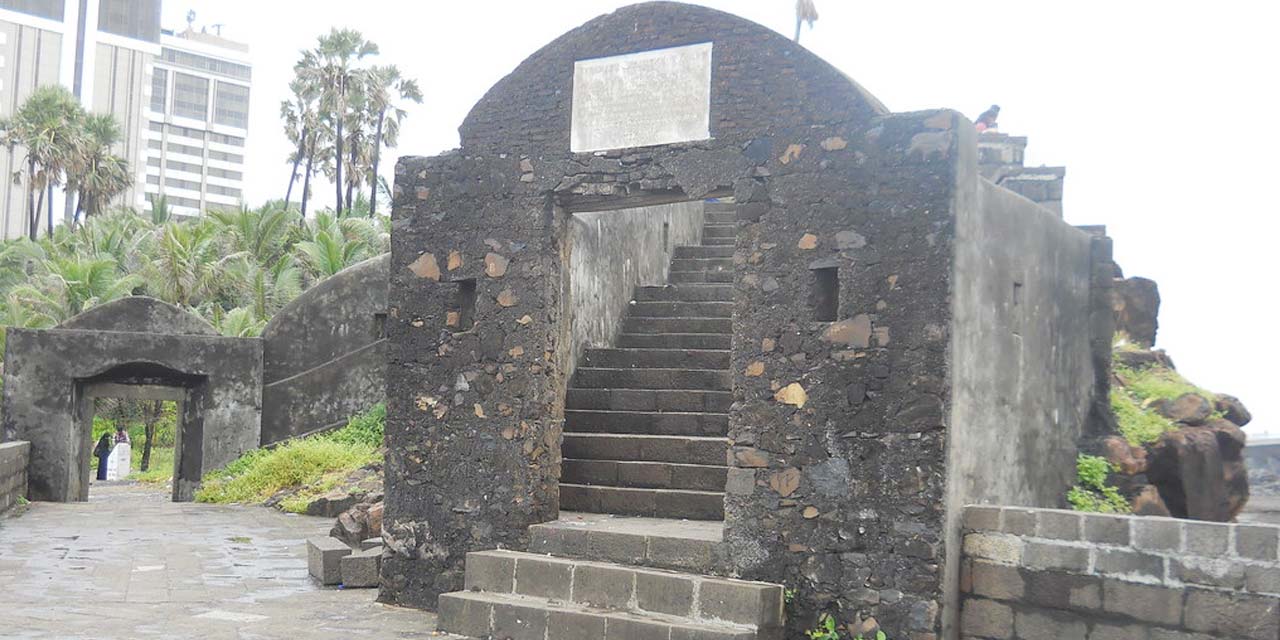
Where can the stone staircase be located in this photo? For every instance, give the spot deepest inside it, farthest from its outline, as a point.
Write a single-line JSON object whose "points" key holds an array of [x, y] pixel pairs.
{"points": [[574, 595], [645, 421], [640, 535]]}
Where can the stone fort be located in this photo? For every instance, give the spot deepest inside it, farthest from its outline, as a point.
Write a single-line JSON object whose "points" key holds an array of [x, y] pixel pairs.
{"points": [[843, 334]]}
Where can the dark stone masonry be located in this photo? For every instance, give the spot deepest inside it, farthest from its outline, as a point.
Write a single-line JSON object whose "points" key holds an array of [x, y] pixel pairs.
{"points": [[892, 312]]}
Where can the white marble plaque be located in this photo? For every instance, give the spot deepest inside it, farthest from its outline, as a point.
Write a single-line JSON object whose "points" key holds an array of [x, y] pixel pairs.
{"points": [[641, 99]]}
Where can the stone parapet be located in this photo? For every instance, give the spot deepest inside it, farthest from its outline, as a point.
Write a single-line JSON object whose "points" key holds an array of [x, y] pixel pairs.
{"points": [[1045, 573], [14, 458]]}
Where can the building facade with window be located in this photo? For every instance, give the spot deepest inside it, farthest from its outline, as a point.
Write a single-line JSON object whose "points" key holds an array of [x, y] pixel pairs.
{"points": [[198, 122]]}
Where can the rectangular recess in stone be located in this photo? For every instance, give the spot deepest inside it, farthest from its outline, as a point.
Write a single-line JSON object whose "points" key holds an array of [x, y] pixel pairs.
{"points": [[641, 99], [461, 313], [824, 294]]}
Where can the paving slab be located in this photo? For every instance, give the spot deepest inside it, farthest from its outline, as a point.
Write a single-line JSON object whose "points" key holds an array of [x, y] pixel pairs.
{"points": [[130, 564]]}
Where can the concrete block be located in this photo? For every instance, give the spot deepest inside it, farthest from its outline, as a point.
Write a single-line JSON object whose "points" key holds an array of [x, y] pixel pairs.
{"points": [[982, 517], [1102, 631], [1232, 614], [664, 593], [1058, 525], [1060, 590], [324, 556], [1157, 534], [519, 621], [987, 619], [544, 577], [575, 625], [370, 543], [1106, 529], [634, 629], [691, 632], [1047, 555], [1149, 603], [741, 602], [997, 548], [1257, 542], [603, 586], [1042, 624], [491, 571], [361, 568], [996, 581], [1019, 522], [464, 615], [1206, 539], [1262, 579], [1123, 562], [1211, 572], [682, 554]]}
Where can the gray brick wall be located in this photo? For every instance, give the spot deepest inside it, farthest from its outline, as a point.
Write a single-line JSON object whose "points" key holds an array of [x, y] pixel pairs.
{"points": [[14, 457], [1047, 573]]}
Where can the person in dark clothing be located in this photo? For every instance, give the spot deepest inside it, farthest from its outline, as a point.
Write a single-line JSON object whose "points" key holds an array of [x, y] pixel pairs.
{"points": [[101, 452]]}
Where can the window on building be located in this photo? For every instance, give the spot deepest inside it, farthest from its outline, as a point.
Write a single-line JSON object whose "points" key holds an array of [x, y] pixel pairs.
{"points": [[226, 157], [223, 191], [159, 90], [153, 162], [231, 105], [190, 96], [157, 127], [225, 173], [205, 63], [138, 19], [184, 148], [177, 183], [153, 144], [234, 141]]}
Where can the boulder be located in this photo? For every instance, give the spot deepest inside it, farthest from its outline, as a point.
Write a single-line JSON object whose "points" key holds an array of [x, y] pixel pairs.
{"points": [[1191, 409], [1232, 409], [359, 523], [1147, 502], [1136, 304], [1200, 472], [1130, 460]]}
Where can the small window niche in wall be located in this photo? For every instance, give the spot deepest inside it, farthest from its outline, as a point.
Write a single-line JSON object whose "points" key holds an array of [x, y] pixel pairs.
{"points": [[824, 293], [379, 329], [461, 313], [666, 237], [1017, 294]]}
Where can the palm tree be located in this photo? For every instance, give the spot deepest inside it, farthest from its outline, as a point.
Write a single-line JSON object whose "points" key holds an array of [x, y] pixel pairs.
{"points": [[805, 12], [96, 174], [66, 286], [186, 263], [333, 244], [329, 70], [299, 116], [260, 233], [47, 126], [384, 85]]}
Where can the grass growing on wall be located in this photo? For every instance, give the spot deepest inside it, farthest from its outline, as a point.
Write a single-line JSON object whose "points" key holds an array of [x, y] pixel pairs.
{"points": [[1137, 424], [1092, 493], [318, 462]]}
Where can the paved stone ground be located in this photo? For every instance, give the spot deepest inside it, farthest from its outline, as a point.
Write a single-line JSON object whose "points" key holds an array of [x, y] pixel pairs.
{"points": [[131, 564]]}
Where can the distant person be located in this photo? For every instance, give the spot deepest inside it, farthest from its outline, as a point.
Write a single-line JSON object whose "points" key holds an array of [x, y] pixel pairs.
{"points": [[987, 121], [122, 436], [101, 452]]}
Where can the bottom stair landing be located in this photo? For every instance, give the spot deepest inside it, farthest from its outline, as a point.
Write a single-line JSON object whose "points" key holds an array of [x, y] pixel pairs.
{"points": [[601, 577]]}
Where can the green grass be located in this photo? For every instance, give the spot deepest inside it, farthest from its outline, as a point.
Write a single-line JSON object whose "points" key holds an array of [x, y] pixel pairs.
{"points": [[161, 469], [1137, 424], [318, 462], [1091, 492]]}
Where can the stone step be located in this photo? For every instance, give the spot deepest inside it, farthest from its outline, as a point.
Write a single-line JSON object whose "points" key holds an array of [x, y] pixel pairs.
{"points": [[652, 503], [719, 231], [680, 309], [716, 292], [665, 358], [719, 242], [702, 264], [677, 325], [648, 400], [673, 596], [604, 378], [720, 207], [686, 277], [699, 251], [674, 340], [644, 475], [721, 217], [651, 423], [648, 448], [663, 543]]}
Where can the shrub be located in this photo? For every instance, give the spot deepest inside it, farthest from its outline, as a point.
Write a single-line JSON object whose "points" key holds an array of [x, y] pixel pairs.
{"points": [[1137, 425], [1091, 492]]}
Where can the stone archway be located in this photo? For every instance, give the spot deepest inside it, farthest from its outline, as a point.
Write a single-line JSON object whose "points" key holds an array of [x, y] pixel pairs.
{"points": [[134, 347]]}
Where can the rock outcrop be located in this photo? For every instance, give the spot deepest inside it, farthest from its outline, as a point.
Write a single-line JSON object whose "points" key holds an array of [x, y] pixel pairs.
{"points": [[1136, 302]]}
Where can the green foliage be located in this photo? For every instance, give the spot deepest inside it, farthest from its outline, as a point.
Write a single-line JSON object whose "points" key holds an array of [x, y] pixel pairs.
{"points": [[318, 463], [22, 501], [1137, 425], [826, 629], [1157, 383], [1091, 492]]}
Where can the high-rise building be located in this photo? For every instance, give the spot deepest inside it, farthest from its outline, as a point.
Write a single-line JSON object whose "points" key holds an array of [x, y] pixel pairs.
{"points": [[181, 99], [198, 119]]}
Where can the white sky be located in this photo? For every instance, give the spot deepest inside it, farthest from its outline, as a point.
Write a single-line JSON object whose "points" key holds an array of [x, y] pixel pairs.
{"points": [[1163, 112]]}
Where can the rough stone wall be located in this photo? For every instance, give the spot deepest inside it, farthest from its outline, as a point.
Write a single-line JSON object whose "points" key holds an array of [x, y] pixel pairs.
{"points": [[43, 382], [1032, 574], [612, 252], [14, 457], [324, 355]]}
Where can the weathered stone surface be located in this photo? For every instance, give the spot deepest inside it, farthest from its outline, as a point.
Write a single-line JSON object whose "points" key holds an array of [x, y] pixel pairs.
{"points": [[1200, 472], [360, 569], [1136, 302], [1232, 409], [324, 556], [1191, 409], [1129, 459]]}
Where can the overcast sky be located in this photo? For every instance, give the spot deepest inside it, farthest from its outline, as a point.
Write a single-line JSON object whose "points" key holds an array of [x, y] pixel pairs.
{"points": [[1164, 113]]}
